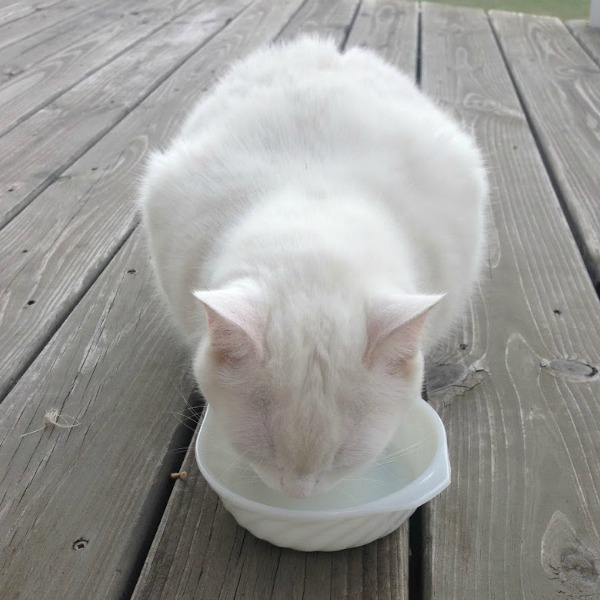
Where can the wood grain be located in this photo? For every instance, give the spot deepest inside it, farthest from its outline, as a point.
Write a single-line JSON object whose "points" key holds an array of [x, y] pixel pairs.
{"points": [[199, 551], [42, 17], [519, 520], [35, 153], [390, 27], [588, 37], [120, 527], [78, 504], [559, 85], [29, 51], [42, 67], [12, 11], [57, 247], [516, 386], [324, 17]]}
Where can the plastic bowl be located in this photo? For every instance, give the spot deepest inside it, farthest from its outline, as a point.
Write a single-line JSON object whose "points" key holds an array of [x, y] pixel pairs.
{"points": [[413, 469]]}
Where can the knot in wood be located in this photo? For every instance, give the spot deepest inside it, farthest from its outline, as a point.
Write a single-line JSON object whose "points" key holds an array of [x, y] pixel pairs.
{"points": [[580, 567], [570, 561], [571, 370]]}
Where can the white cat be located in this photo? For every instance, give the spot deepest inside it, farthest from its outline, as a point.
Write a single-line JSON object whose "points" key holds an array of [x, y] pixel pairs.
{"points": [[316, 226]]}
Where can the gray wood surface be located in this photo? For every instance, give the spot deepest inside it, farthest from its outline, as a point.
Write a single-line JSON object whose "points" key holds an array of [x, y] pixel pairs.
{"points": [[63, 240], [326, 18], [85, 502], [42, 17], [29, 51], [83, 511], [78, 505], [41, 67], [33, 154], [520, 519], [588, 37], [199, 551], [390, 27], [12, 11], [559, 85]]}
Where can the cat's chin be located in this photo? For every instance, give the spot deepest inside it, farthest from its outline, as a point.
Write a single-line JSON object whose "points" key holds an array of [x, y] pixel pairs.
{"points": [[297, 489]]}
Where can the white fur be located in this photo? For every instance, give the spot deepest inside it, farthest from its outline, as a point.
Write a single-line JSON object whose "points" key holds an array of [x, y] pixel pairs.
{"points": [[318, 204]]}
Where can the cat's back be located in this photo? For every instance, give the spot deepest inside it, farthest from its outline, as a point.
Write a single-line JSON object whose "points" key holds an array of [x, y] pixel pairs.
{"points": [[306, 67], [288, 115], [307, 117]]}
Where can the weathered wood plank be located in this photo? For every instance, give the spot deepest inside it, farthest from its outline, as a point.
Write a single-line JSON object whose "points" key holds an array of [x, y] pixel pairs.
{"points": [[559, 85], [389, 27], [23, 54], [54, 255], [29, 5], [116, 367], [42, 17], [519, 520], [588, 37], [40, 148], [326, 18], [115, 393], [42, 67], [12, 11], [199, 551]]}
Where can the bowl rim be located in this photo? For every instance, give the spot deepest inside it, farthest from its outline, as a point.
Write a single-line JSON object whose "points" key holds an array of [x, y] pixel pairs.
{"points": [[432, 480]]}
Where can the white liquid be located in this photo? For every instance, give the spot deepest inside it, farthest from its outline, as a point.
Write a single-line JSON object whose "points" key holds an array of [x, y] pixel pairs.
{"points": [[379, 480], [409, 453]]}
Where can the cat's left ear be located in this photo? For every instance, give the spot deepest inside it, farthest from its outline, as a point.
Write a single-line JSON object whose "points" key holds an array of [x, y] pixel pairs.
{"points": [[395, 327], [235, 323]]}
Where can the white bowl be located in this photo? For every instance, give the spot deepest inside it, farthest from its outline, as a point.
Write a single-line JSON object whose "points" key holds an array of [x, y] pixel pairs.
{"points": [[413, 469]]}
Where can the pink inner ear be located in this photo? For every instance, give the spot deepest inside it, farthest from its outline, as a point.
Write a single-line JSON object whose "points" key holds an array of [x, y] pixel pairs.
{"points": [[394, 327], [234, 321]]}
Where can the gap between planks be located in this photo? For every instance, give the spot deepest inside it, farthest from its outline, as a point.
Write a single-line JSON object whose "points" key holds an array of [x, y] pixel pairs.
{"points": [[200, 552], [560, 97], [521, 422], [133, 289], [40, 20], [100, 35], [76, 217]]}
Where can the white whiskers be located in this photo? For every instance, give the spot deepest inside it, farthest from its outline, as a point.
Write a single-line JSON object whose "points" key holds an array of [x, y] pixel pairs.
{"points": [[388, 458]]}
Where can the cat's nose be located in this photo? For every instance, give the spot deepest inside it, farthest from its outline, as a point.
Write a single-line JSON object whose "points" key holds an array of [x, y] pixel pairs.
{"points": [[299, 487]]}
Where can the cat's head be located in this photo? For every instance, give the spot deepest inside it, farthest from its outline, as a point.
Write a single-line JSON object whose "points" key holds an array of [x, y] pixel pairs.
{"points": [[310, 392]]}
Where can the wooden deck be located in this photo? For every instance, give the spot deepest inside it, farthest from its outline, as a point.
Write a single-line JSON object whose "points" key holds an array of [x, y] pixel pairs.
{"points": [[86, 88]]}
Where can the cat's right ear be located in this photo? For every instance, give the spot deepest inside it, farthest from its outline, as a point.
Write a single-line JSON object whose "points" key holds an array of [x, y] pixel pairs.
{"points": [[235, 322]]}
